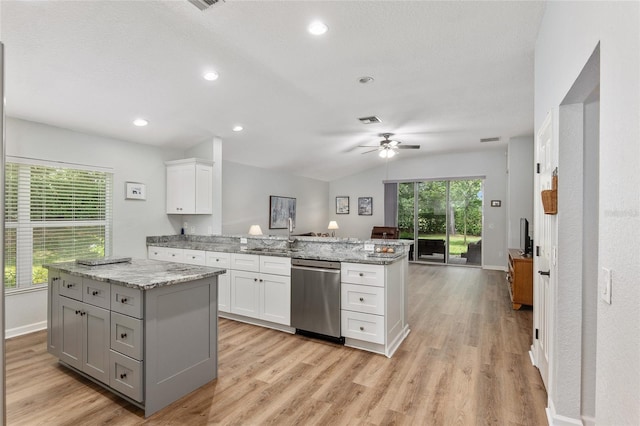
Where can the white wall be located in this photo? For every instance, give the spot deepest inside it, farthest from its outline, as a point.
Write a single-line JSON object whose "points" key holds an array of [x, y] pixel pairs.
{"points": [[520, 187], [133, 220], [569, 33], [245, 199], [491, 164]]}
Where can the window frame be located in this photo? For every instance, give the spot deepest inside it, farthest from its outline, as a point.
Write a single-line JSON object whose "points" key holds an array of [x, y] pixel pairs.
{"points": [[25, 225]]}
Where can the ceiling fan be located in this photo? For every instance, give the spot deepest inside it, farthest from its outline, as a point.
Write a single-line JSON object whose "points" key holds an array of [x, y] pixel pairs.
{"points": [[388, 147]]}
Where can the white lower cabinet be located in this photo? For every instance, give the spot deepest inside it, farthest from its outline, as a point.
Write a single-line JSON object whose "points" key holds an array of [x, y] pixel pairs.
{"points": [[221, 260], [199, 257], [373, 306], [263, 296]]}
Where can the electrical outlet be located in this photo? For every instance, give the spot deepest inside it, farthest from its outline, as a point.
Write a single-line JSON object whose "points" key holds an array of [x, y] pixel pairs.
{"points": [[369, 246], [605, 287]]}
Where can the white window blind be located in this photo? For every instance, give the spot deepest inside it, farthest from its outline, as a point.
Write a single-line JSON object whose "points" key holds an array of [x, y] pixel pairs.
{"points": [[53, 213]]}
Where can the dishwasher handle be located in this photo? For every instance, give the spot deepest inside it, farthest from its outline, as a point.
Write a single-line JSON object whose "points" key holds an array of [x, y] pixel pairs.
{"points": [[307, 268]]}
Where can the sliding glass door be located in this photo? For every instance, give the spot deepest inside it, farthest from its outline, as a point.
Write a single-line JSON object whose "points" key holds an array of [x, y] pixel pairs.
{"points": [[444, 218]]}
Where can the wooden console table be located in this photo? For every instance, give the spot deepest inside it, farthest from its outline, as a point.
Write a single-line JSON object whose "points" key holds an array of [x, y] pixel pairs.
{"points": [[520, 279]]}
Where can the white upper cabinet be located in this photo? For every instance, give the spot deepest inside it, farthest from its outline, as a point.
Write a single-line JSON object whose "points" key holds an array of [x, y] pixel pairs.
{"points": [[189, 186]]}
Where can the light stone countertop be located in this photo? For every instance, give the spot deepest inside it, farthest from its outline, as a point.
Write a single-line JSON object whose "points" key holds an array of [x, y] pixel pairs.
{"points": [[310, 248], [141, 274]]}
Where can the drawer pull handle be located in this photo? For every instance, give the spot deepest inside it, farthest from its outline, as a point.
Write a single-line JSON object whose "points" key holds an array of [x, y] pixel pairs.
{"points": [[123, 300], [361, 274], [361, 328], [260, 279], [123, 335], [82, 313], [95, 293], [123, 375], [77, 312], [255, 279], [362, 299], [70, 285]]}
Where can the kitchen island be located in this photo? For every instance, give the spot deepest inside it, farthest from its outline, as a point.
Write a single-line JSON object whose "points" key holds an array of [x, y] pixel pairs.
{"points": [[372, 297], [146, 330]]}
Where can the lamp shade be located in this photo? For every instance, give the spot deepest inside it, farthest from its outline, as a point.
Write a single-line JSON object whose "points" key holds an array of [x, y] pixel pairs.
{"points": [[333, 225], [255, 230]]}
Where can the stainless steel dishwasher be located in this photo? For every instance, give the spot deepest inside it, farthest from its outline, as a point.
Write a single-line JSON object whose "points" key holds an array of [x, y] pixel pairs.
{"points": [[315, 298]]}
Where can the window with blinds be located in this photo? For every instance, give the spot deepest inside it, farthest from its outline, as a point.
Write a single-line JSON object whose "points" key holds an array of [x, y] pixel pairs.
{"points": [[53, 214]]}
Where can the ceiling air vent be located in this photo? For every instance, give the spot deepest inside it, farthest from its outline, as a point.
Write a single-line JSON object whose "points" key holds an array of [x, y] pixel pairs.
{"points": [[203, 4], [369, 120], [495, 139]]}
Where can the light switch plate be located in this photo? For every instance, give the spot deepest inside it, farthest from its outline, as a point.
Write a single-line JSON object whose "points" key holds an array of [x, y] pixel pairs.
{"points": [[605, 288], [369, 247]]}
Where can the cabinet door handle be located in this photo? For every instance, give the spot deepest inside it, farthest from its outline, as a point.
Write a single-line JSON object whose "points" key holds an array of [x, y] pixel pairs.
{"points": [[123, 335], [123, 300], [361, 274], [261, 280], [77, 312], [361, 328], [255, 279], [95, 293], [362, 299], [123, 375], [82, 313], [547, 273]]}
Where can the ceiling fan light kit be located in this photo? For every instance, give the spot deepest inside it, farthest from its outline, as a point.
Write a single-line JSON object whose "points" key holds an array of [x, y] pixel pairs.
{"points": [[387, 148]]}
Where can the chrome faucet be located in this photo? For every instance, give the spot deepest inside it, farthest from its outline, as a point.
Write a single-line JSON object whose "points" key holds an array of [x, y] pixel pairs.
{"points": [[290, 241]]}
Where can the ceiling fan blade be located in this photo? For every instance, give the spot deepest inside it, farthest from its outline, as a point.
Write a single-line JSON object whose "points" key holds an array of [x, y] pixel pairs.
{"points": [[371, 150], [368, 146], [408, 146]]}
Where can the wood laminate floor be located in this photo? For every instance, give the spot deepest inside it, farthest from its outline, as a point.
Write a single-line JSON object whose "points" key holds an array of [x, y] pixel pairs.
{"points": [[465, 362]]}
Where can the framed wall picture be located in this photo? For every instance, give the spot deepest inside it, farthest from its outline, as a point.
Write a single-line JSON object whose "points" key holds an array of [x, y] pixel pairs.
{"points": [[365, 206], [280, 210], [342, 205], [135, 191]]}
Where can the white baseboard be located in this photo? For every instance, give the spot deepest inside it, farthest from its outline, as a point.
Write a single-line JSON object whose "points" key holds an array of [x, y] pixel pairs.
{"points": [[495, 267], [25, 329], [589, 421], [555, 419]]}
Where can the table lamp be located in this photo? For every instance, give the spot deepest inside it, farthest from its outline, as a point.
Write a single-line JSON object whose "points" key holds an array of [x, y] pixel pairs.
{"points": [[255, 230], [333, 225]]}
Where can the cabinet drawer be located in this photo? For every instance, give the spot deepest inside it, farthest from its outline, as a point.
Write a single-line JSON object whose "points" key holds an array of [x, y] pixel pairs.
{"points": [[174, 255], [71, 286], [126, 300], [126, 335], [275, 265], [156, 253], [361, 326], [363, 298], [125, 375], [194, 257], [97, 293], [361, 273], [217, 259], [245, 262]]}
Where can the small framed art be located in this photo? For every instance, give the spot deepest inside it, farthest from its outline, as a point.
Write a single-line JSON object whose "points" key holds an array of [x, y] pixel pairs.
{"points": [[342, 205]]}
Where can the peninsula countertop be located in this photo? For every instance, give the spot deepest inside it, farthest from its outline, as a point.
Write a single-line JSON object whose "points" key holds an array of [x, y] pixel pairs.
{"points": [[141, 274], [311, 248]]}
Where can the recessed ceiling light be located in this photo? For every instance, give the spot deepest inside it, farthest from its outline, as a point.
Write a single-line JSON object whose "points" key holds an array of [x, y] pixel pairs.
{"points": [[317, 28], [211, 76], [140, 122], [237, 128]]}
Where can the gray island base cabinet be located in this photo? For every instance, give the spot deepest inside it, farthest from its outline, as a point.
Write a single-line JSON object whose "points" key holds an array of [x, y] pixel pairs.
{"points": [[151, 345]]}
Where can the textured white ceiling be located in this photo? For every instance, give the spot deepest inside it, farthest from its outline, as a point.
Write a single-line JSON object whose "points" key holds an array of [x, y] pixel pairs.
{"points": [[446, 74]]}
